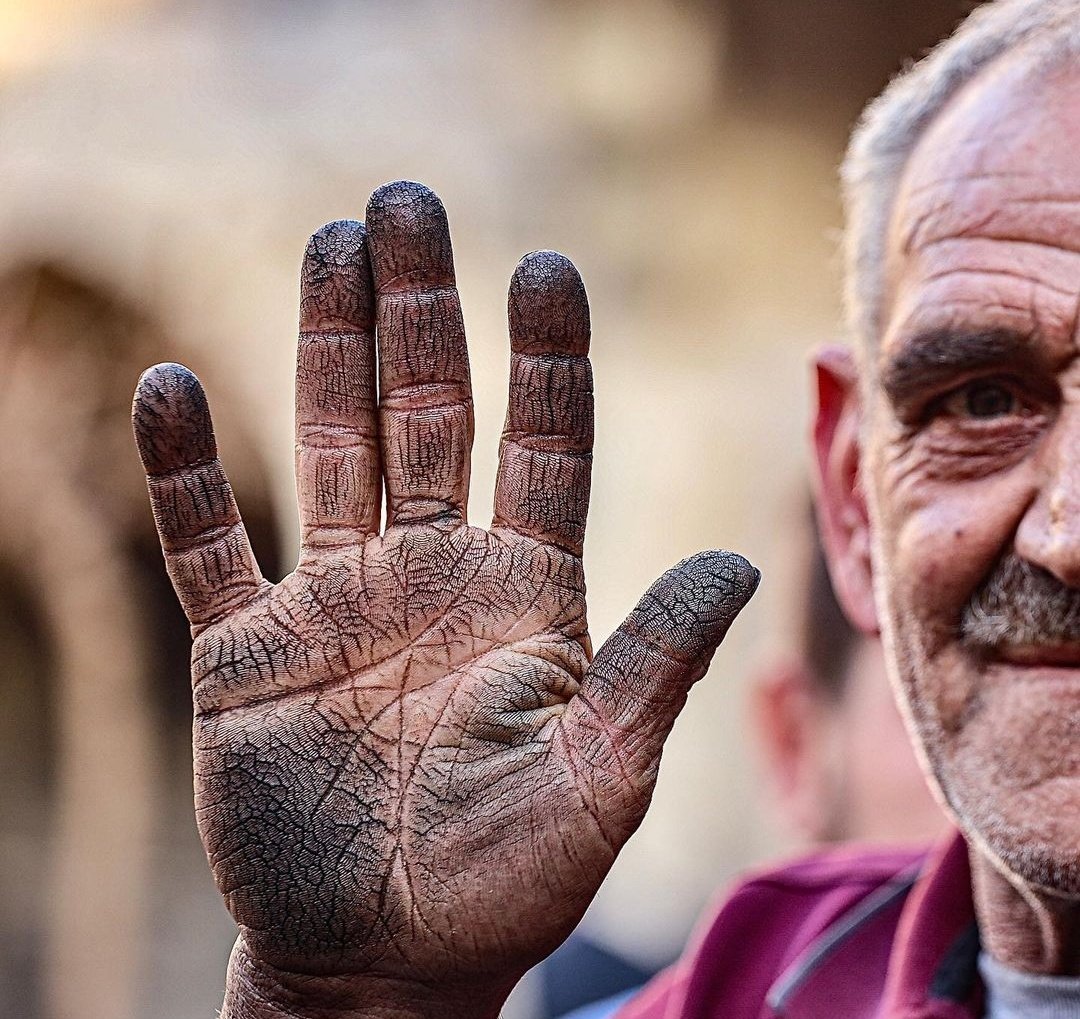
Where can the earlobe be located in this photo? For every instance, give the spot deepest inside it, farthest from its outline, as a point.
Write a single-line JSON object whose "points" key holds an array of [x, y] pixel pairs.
{"points": [[841, 505]]}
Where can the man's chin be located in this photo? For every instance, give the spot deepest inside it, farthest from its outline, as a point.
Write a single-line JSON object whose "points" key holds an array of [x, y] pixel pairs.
{"points": [[1044, 868], [1034, 834], [1011, 771]]}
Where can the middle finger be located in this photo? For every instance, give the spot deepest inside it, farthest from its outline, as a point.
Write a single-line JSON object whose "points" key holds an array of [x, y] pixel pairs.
{"points": [[425, 397]]}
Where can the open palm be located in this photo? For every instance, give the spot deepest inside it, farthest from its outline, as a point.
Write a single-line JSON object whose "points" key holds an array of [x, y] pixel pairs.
{"points": [[408, 773]]}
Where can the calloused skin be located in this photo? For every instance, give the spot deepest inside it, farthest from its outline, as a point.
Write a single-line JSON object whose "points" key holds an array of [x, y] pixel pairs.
{"points": [[411, 774]]}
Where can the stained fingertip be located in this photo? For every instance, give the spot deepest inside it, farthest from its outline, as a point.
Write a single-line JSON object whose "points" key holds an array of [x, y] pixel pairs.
{"points": [[548, 306], [171, 419], [696, 601], [403, 198], [724, 567], [336, 293], [409, 237]]}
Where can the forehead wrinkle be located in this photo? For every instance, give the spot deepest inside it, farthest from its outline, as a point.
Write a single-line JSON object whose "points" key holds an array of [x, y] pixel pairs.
{"points": [[1042, 268], [976, 151], [982, 285], [1023, 206], [1006, 146], [1017, 274], [1001, 114], [1048, 222], [972, 286], [950, 190]]}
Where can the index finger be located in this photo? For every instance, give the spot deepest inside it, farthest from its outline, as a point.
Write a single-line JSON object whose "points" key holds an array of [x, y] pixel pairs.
{"points": [[545, 457]]}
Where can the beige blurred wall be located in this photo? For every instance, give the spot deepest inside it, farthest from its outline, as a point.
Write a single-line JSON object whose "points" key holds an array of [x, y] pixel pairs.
{"points": [[174, 158]]}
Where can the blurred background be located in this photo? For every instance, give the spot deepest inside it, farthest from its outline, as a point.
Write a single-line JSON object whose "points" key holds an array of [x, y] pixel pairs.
{"points": [[161, 166]]}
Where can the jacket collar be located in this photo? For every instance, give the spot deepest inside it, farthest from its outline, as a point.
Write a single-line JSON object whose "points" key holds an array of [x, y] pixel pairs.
{"points": [[928, 966], [934, 966]]}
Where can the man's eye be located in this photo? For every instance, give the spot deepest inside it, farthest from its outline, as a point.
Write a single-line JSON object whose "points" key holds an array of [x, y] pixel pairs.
{"points": [[981, 400]]}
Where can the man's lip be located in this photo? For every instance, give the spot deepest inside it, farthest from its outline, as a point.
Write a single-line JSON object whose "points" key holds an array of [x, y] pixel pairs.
{"points": [[1035, 655]]}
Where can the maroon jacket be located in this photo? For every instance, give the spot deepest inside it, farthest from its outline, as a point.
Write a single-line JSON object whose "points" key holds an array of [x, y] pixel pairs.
{"points": [[850, 934]]}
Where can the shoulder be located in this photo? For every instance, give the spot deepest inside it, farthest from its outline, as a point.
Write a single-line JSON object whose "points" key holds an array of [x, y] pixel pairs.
{"points": [[839, 867], [782, 909], [773, 919], [785, 907]]}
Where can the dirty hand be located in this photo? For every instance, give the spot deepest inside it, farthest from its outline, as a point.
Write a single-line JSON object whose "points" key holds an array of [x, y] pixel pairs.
{"points": [[411, 774]]}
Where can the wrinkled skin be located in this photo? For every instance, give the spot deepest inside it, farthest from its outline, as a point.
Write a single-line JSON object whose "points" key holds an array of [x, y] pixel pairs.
{"points": [[410, 779], [990, 227], [968, 459]]}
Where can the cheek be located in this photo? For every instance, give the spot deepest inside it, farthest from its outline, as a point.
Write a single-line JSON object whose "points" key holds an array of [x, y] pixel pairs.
{"points": [[941, 552], [1025, 735], [935, 541]]}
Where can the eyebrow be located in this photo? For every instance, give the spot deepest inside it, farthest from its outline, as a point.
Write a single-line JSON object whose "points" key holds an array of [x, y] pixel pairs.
{"points": [[938, 356]]}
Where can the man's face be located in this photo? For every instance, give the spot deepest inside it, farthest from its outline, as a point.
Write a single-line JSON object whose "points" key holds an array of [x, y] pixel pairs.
{"points": [[972, 463]]}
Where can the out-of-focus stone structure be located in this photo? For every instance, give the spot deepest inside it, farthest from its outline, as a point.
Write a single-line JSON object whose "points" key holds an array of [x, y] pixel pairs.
{"points": [[162, 166]]}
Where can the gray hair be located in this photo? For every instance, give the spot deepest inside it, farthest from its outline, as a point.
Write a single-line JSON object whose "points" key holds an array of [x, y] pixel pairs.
{"points": [[892, 125]]}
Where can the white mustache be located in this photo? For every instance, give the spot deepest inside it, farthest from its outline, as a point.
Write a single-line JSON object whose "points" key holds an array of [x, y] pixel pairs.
{"points": [[1021, 605]]}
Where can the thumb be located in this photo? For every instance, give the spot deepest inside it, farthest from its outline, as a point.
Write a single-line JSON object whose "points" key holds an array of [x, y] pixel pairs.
{"points": [[638, 682]]}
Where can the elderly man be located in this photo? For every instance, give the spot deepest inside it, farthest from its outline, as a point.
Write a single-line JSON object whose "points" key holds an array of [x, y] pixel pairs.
{"points": [[412, 773]]}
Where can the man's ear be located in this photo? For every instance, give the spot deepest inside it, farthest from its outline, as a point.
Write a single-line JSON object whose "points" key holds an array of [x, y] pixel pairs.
{"points": [[841, 506]]}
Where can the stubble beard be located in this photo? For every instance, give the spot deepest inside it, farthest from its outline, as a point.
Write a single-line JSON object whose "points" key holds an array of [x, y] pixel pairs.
{"points": [[1029, 832]]}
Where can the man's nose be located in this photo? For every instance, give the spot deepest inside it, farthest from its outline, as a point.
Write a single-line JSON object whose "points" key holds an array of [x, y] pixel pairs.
{"points": [[1049, 533]]}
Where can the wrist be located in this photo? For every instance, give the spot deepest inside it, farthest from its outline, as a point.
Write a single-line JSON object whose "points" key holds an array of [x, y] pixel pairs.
{"points": [[255, 990]]}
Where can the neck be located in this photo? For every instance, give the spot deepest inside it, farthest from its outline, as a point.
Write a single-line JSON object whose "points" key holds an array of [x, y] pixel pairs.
{"points": [[1024, 927]]}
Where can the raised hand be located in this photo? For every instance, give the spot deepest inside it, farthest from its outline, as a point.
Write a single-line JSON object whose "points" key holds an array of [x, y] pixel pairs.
{"points": [[410, 779]]}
